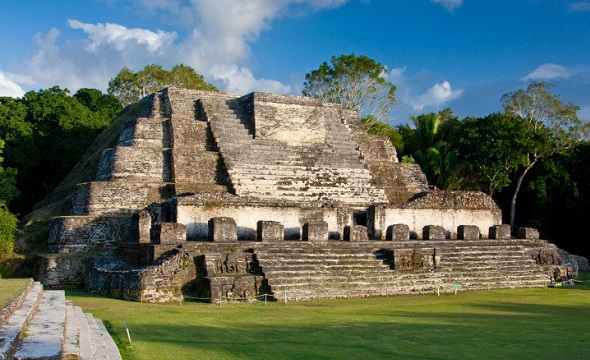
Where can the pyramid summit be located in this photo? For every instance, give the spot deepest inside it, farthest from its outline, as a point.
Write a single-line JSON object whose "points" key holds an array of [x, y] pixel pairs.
{"points": [[223, 195]]}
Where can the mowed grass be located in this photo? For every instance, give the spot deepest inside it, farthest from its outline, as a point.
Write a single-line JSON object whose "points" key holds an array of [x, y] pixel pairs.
{"points": [[504, 324], [10, 289]]}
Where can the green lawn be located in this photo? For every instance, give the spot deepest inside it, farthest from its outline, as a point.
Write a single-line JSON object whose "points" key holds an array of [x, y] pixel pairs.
{"points": [[509, 324], [10, 289]]}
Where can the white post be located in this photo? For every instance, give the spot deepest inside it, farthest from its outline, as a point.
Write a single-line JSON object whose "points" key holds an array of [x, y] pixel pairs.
{"points": [[127, 330]]}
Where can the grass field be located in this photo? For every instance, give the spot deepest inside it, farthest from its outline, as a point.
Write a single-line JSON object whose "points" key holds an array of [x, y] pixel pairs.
{"points": [[508, 324], [10, 289]]}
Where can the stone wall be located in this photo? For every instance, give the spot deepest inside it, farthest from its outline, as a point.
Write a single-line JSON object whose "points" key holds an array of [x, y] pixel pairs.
{"points": [[400, 181], [446, 209], [246, 214], [63, 271], [116, 197], [134, 163], [290, 119], [145, 132], [161, 282], [71, 234]]}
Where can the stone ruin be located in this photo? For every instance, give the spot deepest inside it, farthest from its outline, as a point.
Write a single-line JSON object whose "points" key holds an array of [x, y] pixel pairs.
{"points": [[214, 195]]}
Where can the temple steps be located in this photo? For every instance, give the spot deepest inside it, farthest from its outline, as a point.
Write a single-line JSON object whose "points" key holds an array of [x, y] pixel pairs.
{"points": [[275, 170], [337, 270], [44, 326]]}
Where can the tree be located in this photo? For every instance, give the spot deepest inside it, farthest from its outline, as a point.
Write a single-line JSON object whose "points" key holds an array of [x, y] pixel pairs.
{"points": [[356, 82], [105, 104], [8, 189], [8, 229], [543, 112], [46, 133], [8, 221], [129, 86], [427, 145], [556, 199], [493, 148]]}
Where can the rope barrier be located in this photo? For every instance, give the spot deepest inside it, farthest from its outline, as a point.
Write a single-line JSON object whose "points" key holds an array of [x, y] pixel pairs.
{"points": [[435, 288]]}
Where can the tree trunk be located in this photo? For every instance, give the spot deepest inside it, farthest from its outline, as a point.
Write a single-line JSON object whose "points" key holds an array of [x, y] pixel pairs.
{"points": [[515, 194]]}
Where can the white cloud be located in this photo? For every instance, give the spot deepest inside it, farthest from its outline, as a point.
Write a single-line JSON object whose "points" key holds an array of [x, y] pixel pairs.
{"points": [[582, 6], [553, 71], [8, 87], [449, 4], [439, 94], [216, 41], [241, 80], [121, 37]]}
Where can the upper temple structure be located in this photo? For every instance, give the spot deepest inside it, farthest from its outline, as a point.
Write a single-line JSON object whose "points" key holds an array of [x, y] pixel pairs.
{"points": [[221, 196]]}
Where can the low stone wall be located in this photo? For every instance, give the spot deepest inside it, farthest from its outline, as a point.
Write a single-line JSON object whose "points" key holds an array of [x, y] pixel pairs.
{"points": [[161, 282], [246, 215], [446, 209]]}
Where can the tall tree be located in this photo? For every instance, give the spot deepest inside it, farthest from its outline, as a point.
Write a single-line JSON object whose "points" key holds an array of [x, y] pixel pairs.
{"points": [[356, 82], [493, 148], [543, 112], [105, 104], [46, 133], [129, 86]]}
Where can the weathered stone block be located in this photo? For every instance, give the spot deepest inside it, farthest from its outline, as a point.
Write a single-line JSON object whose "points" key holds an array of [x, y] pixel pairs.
{"points": [[398, 232], [500, 232], [355, 233], [234, 288], [223, 229], [142, 224], [315, 231], [467, 232], [433, 232], [168, 233], [269, 231], [527, 233]]}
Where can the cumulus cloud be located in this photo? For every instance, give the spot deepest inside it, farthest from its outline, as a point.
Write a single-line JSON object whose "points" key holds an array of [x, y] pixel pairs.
{"points": [[449, 4], [120, 36], [581, 6], [215, 40], [439, 94], [553, 71], [8, 87], [241, 80]]}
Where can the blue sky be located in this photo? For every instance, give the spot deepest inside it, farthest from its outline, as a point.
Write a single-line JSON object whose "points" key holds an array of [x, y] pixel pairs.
{"points": [[459, 53]]}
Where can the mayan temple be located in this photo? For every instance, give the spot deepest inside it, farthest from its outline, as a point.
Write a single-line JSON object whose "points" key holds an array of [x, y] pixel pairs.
{"points": [[216, 195]]}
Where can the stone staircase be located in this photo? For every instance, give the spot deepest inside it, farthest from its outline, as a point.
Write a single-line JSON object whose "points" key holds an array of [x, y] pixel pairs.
{"points": [[337, 270], [43, 325], [272, 169]]}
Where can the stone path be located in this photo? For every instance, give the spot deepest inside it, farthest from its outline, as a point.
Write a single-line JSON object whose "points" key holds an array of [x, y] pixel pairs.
{"points": [[46, 326]]}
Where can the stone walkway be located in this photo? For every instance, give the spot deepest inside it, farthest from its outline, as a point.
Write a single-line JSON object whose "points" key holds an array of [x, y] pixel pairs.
{"points": [[43, 325]]}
